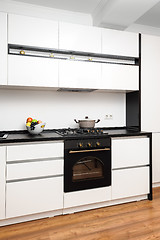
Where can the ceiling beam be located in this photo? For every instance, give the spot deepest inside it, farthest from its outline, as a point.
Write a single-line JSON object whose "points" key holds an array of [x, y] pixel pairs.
{"points": [[120, 14]]}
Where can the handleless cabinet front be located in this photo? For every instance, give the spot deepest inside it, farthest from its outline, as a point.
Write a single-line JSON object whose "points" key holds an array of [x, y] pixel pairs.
{"points": [[77, 74], [34, 196], [30, 31], [120, 43], [34, 178], [3, 48], [120, 77], [81, 38], [32, 71]]}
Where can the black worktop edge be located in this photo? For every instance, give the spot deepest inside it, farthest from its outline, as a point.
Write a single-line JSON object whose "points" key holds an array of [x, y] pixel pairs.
{"points": [[32, 138]]}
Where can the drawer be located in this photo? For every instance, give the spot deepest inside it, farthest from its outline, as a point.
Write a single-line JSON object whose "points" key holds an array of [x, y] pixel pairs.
{"points": [[35, 196], [91, 196], [24, 170], [130, 182], [35, 151], [128, 152]]}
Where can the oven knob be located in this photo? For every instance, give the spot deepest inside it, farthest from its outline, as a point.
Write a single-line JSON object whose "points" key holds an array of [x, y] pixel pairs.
{"points": [[80, 145], [97, 144], [89, 144]]}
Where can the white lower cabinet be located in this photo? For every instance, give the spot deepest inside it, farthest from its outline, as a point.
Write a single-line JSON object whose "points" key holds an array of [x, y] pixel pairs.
{"points": [[91, 196], [130, 182], [34, 196], [156, 157], [2, 181]]}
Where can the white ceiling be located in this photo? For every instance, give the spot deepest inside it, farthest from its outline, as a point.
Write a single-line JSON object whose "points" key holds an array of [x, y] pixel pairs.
{"points": [[117, 14], [83, 6]]}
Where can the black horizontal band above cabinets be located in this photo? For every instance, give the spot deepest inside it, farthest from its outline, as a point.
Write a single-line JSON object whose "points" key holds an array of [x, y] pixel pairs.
{"points": [[71, 55]]}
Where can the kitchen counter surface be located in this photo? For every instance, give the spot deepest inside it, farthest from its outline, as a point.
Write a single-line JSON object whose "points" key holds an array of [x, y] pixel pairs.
{"points": [[51, 135]]}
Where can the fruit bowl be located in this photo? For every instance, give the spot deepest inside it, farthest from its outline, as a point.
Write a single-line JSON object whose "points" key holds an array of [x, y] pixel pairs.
{"points": [[37, 129]]}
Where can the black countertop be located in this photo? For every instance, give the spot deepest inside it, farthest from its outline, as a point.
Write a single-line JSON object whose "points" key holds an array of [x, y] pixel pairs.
{"points": [[51, 135]]}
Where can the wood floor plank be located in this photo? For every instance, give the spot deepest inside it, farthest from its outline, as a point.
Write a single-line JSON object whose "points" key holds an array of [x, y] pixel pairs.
{"points": [[131, 221]]}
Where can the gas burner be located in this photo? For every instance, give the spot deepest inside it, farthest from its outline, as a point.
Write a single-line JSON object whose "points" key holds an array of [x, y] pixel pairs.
{"points": [[80, 131]]}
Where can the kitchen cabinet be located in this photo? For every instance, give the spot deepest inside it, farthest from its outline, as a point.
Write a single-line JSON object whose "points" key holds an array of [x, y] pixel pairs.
{"points": [[77, 74], [156, 157], [130, 167], [120, 43], [3, 48], [130, 182], [150, 83], [30, 31], [129, 152], [32, 71], [79, 198], [2, 180], [77, 37], [34, 196], [120, 77], [34, 178]]}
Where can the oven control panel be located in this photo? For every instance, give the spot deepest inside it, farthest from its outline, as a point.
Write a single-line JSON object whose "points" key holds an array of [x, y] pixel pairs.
{"points": [[87, 143]]}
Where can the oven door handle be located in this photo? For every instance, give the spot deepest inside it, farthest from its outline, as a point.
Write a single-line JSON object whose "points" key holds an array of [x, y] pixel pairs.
{"points": [[90, 150]]}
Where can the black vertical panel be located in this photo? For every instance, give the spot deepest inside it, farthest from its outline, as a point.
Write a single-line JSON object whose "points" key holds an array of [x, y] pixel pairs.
{"points": [[132, 110]]}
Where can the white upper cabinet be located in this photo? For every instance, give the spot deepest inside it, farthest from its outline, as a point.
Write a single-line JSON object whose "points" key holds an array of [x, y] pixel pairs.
{"points": [[120, 43], [120, 77], [3, 49], [23, 30], [76, 74], [79, 38], [150, 83], [32, 71]]}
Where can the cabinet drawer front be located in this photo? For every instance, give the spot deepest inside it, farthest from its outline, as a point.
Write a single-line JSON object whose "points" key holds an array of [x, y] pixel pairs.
{"points": [[130, 182], [85, 197], [120, 77], [32, 31], [34, 169], [29, 197], [130, 152], [35, 151], [32, 71]]}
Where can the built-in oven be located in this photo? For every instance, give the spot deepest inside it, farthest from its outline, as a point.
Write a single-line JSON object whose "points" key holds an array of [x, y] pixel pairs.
{"points": [[87, 164]]}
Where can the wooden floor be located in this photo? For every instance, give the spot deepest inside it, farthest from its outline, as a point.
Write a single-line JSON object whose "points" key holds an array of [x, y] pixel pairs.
{"points": [[136, 221]]}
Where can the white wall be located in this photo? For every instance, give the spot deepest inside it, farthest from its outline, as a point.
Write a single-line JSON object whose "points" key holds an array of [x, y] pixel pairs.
{"points": [[58, 109], [45, 12]]}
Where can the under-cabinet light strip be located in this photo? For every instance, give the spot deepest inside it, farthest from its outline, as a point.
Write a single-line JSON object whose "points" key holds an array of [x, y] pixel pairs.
{"points": [[70, 57]]}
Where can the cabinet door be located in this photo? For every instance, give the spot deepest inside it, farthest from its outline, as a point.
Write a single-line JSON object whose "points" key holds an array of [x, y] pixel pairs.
{"points": [[35, 196], [120, 43], [156, 157], [150, 84], [130, 182], [77, 74], [35, 151], [79, 38], [2, 181], [30, 31], [120, 77], [130, 152], [32, 71], [3, 49]]}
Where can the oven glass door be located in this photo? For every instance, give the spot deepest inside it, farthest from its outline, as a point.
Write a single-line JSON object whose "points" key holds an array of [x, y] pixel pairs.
{"points": [[87, 169]]}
